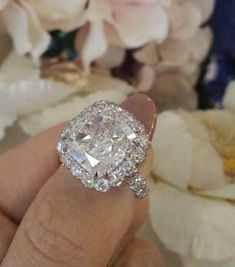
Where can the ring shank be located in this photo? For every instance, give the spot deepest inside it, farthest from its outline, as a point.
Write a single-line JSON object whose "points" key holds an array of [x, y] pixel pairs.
{"points": [[138, 184]]}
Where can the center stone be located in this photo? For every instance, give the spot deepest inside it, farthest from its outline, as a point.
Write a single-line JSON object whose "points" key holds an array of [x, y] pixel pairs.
{"points": [[101, 143]]}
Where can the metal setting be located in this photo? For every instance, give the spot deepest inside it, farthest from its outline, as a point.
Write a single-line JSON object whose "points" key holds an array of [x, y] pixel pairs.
{"points": [[102, 147]]}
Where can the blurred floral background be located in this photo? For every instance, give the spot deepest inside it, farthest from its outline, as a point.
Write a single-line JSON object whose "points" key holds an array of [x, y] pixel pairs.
{"points": [[57, 56]]}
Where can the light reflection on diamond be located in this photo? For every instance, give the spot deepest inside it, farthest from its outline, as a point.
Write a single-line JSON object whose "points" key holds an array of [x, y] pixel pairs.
{"points": [[104, 143], [99, 143]]}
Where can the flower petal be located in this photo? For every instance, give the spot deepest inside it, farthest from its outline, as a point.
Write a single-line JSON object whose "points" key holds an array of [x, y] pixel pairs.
{"points": [[200, 44], [185, 19], [105, 83], [15, 19], [95, 44], [204, 155], [221, 125], [22, 91], [227, 192], [229, 98], [206, 7], [172, 146], [207, 167], [171, 90], [174, 51], [114, 57], [99, 10], [30, 96], [39, 38], [16, 68], [66, 111], [144, 79], [148, 54], [58, 14], [190, 262], [138, 22], [191, 225]]}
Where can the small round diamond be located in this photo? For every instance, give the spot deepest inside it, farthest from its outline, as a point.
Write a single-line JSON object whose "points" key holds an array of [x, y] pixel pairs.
{"points": [[116, 178], [86, 180], [59, 146], [142, 190], [139, 154], [66, 160], [75, 170], [102, 185]]}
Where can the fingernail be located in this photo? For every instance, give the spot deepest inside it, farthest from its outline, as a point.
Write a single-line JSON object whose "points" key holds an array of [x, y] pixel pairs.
{"points": [[144, 110]]}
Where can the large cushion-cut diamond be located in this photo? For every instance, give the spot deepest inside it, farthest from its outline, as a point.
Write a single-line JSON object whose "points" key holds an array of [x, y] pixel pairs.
{"points": [[100, 142]]}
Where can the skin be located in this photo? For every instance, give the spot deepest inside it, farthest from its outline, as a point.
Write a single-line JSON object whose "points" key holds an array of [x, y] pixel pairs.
{"points": [[47, 218]]}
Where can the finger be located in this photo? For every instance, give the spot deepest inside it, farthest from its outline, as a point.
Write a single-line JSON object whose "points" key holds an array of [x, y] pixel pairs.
{"points": [[69, 225], [141, 208], [35, 161], [140, 253], [24, 170], [23, 182], [7, 232], [144, 110]]}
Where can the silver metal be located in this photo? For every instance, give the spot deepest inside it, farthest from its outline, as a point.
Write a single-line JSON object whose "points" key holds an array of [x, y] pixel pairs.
{"points": [[103, 146]]}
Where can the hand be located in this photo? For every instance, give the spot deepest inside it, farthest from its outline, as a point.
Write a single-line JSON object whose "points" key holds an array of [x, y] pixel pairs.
{"points": [[48, 219]]}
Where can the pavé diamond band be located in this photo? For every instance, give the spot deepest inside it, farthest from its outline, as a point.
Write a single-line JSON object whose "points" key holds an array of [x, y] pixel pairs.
{"points": [[102, 147]]}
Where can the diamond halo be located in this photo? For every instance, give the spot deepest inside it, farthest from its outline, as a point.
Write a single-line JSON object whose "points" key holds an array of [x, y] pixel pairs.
{"points": [[102, 147]]}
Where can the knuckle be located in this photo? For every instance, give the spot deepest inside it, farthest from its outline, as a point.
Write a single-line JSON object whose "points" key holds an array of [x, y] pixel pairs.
{"points": [[51, 238]]}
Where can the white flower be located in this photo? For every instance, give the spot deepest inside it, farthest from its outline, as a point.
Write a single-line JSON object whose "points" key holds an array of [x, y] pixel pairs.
{"points": [[23, 91], [187, 16], [200, 229], [206, 8], [194, 146], [192, 206], [127, 23], [183, 56], [23, 25], [179, 56], [185, 19], [51, 116], [170, 70]]}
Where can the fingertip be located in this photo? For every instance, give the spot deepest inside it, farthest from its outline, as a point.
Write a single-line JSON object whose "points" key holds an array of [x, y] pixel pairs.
{"points": [[144, 110]]}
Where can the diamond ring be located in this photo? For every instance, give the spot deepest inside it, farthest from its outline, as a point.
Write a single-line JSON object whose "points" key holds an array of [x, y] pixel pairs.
{"points": [[103, 146]]}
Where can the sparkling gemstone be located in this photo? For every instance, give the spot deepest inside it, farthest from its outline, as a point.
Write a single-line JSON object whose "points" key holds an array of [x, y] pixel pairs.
{"points": [[76, 171], [66, 160], [102, 185], [103, 143]]}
